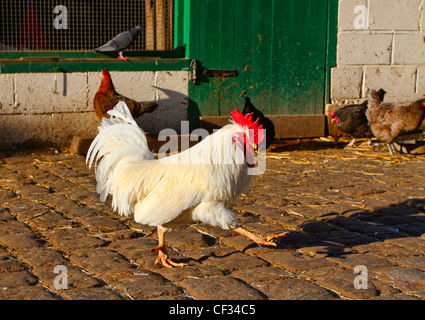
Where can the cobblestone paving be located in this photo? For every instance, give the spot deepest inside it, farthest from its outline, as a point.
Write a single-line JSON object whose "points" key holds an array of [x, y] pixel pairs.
{"points": [[343, 209]]}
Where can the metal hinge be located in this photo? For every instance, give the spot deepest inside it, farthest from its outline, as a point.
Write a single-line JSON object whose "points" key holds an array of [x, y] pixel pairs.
{"points": [[198, 71]]}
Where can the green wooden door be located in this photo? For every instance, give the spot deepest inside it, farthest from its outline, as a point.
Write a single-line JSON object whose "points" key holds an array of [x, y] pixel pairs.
{"points": [[280, 49]]}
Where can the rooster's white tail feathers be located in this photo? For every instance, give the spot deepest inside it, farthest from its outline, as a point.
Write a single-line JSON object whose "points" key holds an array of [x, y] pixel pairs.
{"points": [[119, 139]]}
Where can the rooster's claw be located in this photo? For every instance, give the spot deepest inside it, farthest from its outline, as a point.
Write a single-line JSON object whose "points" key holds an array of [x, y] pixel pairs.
{"points": [[268, 240], [164, 260]]}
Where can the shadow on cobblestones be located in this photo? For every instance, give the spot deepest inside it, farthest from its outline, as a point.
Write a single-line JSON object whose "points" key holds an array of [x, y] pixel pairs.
{"points": [[360, 227]]}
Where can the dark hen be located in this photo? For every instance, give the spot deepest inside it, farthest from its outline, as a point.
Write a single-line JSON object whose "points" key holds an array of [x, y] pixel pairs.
{"points": [[352, 120], [266, 122]]}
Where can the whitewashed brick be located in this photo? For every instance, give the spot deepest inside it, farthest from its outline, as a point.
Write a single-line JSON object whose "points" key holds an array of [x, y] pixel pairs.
{"points": [[93, 83], [394, 14], [172, 98], [168, 88], [7, 103], [409, 48], [346, 83], [50, 92], [363, 48], [346, 15], [138, 86], [172, 89], [423, 19], [420, 88], [398, 81], [40, 114], [162, 118]]}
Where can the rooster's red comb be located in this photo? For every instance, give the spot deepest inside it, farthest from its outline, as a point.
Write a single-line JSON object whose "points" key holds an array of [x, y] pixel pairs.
{"points": [[423, 104], [246, 121]]}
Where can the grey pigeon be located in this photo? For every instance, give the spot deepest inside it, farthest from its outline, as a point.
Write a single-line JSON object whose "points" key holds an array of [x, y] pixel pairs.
{"points": [[121, 42]]}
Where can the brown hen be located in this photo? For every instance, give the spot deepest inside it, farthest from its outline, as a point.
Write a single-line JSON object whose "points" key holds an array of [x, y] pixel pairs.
{"points": [[388, 121], [106, 98]]}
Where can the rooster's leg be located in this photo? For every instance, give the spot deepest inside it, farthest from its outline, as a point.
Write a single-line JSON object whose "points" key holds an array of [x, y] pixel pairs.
{"points": [[260, 241], [162, 252]]}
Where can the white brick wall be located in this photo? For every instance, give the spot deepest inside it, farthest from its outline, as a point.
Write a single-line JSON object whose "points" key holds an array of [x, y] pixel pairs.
{"points": [[409, 48], [394, 15], [7, 101], [346, 82], [389, 53], [52, 107], [50, 93]]}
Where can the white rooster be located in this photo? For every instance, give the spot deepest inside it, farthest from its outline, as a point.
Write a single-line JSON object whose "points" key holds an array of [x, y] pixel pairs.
{"points": [[191, 186]]}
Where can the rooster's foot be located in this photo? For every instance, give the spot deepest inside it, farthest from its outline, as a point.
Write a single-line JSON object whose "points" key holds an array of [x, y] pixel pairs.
{"points": [[268, 240], [164, 259], [258, 240]]}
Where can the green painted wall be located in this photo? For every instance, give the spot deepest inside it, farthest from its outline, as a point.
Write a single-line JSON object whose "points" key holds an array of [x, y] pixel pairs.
{"points": [[282, 49]]}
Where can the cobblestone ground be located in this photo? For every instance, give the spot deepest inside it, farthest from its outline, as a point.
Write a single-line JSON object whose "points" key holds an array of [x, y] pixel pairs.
{"points": [[347, 212]]}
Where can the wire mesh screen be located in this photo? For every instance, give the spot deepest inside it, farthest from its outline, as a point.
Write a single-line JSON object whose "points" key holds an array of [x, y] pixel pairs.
{"points": [[82, 25]]}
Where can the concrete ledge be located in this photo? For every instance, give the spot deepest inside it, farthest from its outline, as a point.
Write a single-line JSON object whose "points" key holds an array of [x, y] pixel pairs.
{"points": [[38, 130], [286, 126], [171, 141], [80, 144], [213, 122]]}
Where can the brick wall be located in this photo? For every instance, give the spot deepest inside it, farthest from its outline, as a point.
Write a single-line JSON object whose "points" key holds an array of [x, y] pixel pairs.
{"points": [[40, 108], [387, 51]]}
